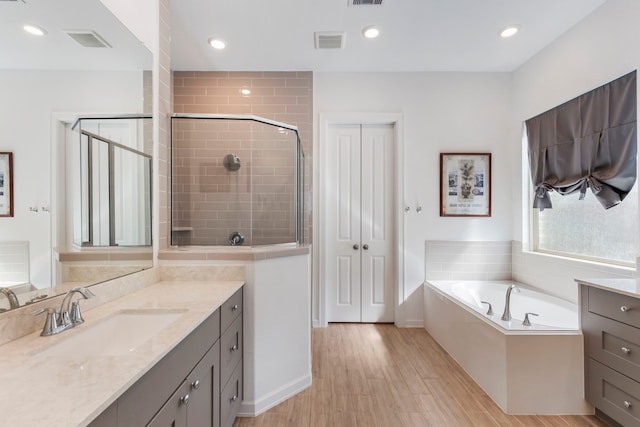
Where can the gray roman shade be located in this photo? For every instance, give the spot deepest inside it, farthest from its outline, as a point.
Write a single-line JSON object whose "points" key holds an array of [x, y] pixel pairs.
{"points": [[588, 142]]}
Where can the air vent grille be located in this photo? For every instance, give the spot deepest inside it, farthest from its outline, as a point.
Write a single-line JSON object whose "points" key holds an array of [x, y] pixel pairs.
{"points": [[329, 40], [87, 38], [365, 2]]}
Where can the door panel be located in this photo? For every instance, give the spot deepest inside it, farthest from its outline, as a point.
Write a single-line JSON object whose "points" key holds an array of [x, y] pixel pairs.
{"points": [[343, 224], [377, 223]]}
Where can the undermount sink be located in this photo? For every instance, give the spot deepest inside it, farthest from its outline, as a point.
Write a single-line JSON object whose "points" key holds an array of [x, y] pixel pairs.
{"points": [[120, 334]]}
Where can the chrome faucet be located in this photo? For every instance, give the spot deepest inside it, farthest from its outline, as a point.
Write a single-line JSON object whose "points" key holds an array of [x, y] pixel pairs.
{"points": [[506, 315], [57, 322], [11, 296]]}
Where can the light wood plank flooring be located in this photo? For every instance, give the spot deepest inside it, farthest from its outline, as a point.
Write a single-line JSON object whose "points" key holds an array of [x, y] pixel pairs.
{"points": [[377, 375]]}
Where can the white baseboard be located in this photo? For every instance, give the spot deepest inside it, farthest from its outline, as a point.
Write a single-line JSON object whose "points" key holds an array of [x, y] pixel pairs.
{"points": [[413, 323], [256, 407]]}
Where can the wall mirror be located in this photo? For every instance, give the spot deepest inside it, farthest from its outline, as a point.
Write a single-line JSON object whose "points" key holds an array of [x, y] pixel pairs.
{"points": [[85, 64]]}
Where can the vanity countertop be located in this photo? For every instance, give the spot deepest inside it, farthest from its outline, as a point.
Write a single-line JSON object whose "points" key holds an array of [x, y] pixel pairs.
{"points": [[629, 287], [71, 391]]}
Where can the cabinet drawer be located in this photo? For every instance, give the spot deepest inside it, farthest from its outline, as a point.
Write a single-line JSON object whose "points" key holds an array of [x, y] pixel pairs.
{"points": [[230, 350], [615, 306], [230, 310], [231, 397], [615, 394], [614, 344]]}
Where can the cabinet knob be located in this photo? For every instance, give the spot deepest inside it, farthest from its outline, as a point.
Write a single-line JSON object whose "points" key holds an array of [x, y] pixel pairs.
{"points": [[624, 308], [356, 247], [234, 348], [626, 350], [365, 247], [627, 404], [234, 398], [234, 307], [184, 399], [195, 385]]}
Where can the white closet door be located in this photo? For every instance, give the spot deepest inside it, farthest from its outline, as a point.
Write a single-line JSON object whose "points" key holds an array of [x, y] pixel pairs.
{"points": [[343, 224], [359, 221], [377, 223]]}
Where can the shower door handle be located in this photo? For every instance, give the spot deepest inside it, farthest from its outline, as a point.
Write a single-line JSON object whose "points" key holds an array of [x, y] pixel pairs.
{"points": [[356, 247]]}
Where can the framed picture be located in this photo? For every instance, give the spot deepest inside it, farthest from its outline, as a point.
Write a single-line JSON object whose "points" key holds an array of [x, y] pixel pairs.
{"points": [[465, 184], [6, 184]]}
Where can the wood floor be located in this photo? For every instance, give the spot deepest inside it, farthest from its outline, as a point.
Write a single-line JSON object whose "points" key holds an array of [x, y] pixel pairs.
{"points": [[377, 375]]}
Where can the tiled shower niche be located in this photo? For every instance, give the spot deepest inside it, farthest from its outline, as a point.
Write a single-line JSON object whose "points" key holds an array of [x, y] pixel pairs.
{"points": [[235, 180]]}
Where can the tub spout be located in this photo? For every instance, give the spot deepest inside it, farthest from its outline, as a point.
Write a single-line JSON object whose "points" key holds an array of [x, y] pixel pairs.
{"points": [[506, 315]]}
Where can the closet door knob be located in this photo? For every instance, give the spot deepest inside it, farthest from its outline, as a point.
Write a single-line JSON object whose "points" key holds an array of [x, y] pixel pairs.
{"points": [[365, 247], [356, 247]]}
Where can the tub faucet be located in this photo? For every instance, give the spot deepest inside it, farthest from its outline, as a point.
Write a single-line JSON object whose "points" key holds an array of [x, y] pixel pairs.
{"points": [[11, 296], [506, 316]]}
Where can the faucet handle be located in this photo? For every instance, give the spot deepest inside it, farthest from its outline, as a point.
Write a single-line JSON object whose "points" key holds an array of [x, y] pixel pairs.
{"points": [[51, 326], [76, 314], [526, 321], [490, 310]]}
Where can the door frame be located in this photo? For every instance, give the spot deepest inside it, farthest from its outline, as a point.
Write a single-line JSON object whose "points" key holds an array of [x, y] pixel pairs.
{"points": [[320, 197]]}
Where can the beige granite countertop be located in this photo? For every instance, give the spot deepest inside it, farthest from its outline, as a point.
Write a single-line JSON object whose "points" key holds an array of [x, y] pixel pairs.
{"points": [[41, 390], [630, 287]]}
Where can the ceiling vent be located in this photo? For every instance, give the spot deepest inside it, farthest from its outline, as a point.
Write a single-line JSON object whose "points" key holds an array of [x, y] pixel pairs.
{"points": [[365, 3], [329, 39], [87, 38]]}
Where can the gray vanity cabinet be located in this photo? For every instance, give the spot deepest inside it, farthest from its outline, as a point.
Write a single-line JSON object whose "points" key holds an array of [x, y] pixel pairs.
{"points": [[199, 383], [231, 351], [611, 328]]}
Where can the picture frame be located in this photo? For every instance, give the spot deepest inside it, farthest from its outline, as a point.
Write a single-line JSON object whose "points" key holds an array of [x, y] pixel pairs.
{"points": [[465, 184], [6, 184]]}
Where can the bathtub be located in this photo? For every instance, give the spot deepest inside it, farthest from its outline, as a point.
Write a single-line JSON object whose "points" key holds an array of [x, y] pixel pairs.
{"points": [[535, 369]]}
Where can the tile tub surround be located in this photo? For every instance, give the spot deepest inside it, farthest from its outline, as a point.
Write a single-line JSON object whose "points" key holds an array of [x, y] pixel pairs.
{"points": [[63, 391], [460, 260]]}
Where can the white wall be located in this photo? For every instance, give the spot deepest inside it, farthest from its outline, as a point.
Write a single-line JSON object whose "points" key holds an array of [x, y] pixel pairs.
{"points": [[29, 98], [601, 48], [442, 112]]}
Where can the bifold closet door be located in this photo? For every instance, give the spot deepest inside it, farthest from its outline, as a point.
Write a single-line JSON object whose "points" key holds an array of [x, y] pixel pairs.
{"points": [[359, 221]]}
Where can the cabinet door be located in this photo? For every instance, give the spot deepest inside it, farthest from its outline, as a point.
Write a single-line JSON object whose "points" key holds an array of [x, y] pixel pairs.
{"points": [[174, 412], [204, 388]]}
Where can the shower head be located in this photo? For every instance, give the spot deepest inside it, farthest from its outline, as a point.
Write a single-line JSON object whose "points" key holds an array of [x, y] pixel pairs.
{"points": [[231, 162]]}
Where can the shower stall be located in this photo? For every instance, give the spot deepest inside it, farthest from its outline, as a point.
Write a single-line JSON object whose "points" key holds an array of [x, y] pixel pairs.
{"points": [[236, 180]]}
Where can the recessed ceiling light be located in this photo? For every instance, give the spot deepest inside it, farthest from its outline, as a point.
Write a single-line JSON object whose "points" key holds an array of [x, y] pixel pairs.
{"points": [[245, 91], [217, 43], [370, 32], [34, 29], [509, 31]]}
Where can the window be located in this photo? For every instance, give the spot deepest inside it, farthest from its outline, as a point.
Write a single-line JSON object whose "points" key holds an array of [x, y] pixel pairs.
{"points": [[582, 229]]}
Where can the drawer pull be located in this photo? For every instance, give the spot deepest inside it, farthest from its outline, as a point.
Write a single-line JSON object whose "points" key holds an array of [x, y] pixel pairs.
{"points": [[626, 350], [234, 307], [195, 385], [184, 399], [624, 308], [627, 404], [235, 397], [234, 348]]}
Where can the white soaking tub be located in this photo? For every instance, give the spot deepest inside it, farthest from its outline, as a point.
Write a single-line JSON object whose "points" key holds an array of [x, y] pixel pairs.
{"points": [[535, 369]]}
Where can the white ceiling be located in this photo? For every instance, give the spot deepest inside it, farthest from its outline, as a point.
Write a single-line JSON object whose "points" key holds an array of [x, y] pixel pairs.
{"points": [[278, 35], [416, 35], [56, 50]]}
